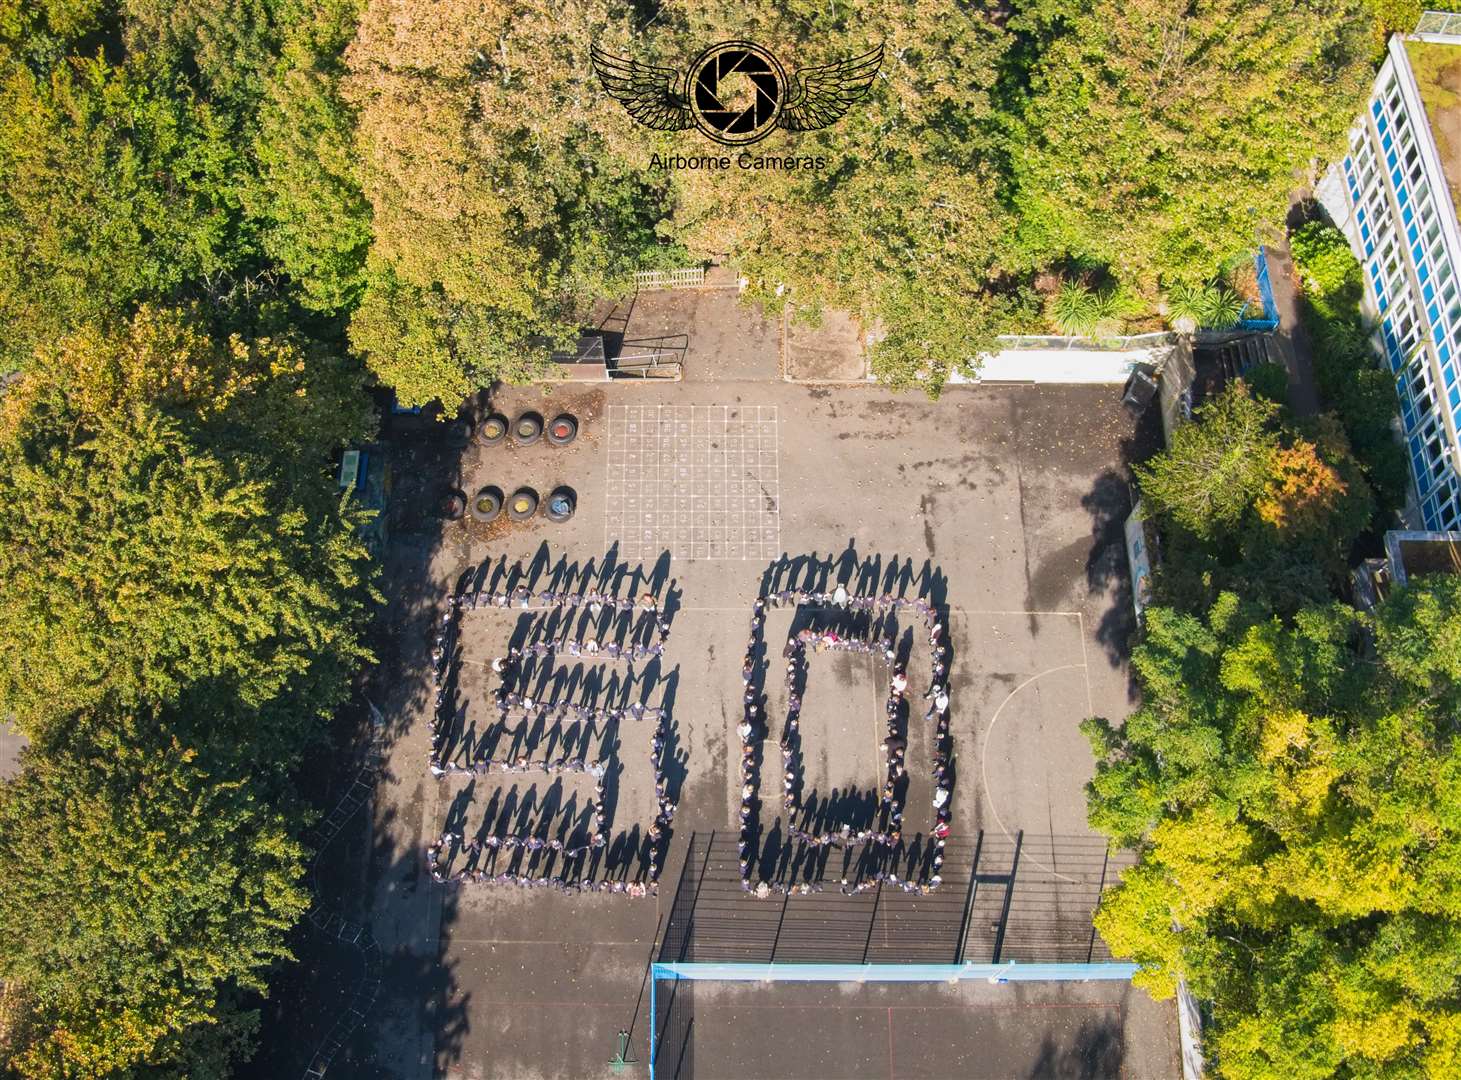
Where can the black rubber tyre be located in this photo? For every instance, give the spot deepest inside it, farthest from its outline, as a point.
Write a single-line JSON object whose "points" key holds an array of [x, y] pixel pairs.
{"points": [[527, 429], [452, 504], [487, 504], [459, 433], [523, 504], [560, 505], [562, 429], [492, 430]]}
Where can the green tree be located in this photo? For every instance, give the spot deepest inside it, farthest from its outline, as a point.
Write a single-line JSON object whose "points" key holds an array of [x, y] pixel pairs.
{"points": [[498, 213], [142, 884], [168, 518], [1216, 467], [115, 186], [1295, 810], [314, 219], [1156, 136], [1350, 377]]}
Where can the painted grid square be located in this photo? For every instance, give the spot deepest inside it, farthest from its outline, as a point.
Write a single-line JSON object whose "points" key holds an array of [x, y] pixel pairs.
{"points": [[699, 481]]}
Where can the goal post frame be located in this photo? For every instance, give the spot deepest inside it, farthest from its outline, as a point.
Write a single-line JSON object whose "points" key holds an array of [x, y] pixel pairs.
{"points": [[995, 974]]}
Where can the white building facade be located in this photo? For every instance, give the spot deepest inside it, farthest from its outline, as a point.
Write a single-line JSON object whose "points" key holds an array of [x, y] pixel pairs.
{"points": [[1391, 197]]}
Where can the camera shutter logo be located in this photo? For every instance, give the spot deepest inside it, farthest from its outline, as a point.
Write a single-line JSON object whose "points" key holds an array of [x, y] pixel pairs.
{"points": [[737, 92]]}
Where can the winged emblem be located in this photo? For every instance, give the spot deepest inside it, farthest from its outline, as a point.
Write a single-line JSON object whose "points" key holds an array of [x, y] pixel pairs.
{"points": [[652, 95], [820, 96], [664, 99]]}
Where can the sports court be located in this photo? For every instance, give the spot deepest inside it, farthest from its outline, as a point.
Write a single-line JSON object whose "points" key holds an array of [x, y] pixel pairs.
{"points": [[1000, 506], [901, 1031]]}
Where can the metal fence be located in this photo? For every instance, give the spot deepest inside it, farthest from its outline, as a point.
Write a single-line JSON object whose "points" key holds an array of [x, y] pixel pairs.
{"points": [[335, 927], [1104, 344], [691, 278], [1268, 321], [1026, 898]]}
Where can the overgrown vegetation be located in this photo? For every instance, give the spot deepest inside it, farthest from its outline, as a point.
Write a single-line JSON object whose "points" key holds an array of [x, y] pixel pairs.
{"points": [[1288, 780], [1294, 799], [181, 601], [416, 171], [1350, 378]]}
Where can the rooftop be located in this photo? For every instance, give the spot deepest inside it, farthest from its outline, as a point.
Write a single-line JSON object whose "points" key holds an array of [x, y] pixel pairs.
{"points": [[1437, 67], [11, 742]]}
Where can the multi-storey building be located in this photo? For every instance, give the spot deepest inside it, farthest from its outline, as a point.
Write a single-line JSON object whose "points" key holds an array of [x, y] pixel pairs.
{"points": [[1395, 196]]}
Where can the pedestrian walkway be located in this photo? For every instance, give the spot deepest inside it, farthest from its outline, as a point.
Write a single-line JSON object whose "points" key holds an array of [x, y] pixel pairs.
{"points": [[1291, 334]]}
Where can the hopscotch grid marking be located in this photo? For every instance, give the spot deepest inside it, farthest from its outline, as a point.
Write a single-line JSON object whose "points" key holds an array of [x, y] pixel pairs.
{"points": [[729, 507]]}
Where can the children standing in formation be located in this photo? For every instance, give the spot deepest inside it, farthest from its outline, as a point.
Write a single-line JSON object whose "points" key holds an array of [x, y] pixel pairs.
{"points": [[894, 746], [611, 650], [523, 764], [506, 668]]}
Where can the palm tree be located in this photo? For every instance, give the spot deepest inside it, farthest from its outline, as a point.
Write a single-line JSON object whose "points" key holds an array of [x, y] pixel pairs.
{"points": [[1076, 310], [1186, 304], [1222, 308], [1211, 307]]}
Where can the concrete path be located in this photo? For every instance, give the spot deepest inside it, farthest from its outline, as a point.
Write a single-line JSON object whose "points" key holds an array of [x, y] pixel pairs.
{"points": [[1291, 334]]}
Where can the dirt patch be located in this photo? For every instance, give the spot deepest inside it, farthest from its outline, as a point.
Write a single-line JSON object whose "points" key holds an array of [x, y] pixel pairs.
{"points": [[832, 351]]}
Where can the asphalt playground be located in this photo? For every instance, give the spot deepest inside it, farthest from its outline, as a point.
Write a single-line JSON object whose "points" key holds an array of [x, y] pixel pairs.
{"points": [[1003, 503]]}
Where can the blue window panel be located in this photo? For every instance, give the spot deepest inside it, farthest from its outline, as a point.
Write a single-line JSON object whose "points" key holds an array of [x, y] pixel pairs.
{"points": [[1429, 292], [1417, 253], [1406, 213], [1383, 125], [1382, 304], [1361, 215], [1407, 412], [1375, 108], [1423, 272], [1364, 231], [1434, 313], [1448, 372], [1444, 352], [1369, 249], [1413, 234], [1391, 158], [1438, 334], [1395, 176], [1455, 398]]}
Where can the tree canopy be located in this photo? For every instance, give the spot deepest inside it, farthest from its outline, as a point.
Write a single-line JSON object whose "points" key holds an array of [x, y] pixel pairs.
{"points": [[1158, 136], [1297, 809], [182, 597], [158, 526], [144, 882], [449, 180]]}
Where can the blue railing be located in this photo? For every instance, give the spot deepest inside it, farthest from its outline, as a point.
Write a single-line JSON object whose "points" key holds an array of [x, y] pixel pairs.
{"points": [[1269, 321]]}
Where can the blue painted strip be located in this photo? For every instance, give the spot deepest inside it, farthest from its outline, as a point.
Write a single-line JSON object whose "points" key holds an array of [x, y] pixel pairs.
{"points": [[995, 973]]}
